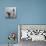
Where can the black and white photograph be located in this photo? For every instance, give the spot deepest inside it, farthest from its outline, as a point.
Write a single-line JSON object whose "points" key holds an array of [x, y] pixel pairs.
{"points": [[10, 12]]}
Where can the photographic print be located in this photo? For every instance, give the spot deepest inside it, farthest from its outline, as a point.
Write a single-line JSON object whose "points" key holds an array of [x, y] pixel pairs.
{"points": [[28, 34], [10, 12]]}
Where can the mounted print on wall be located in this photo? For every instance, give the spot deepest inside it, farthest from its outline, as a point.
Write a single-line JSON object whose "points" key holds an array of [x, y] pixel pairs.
{"points": [[10, 12]]}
